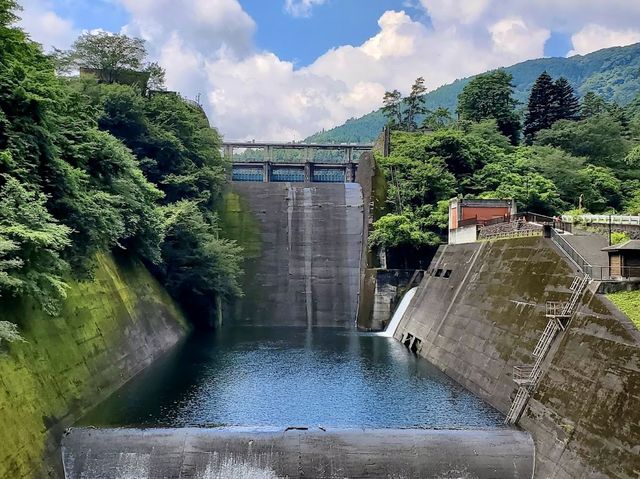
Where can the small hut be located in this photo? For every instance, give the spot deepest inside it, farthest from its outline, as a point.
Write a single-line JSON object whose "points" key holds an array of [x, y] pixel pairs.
{"points": [[624, 260]]}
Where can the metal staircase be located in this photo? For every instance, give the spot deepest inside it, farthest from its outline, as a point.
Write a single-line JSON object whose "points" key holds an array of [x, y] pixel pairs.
{"points": [[526, 377]]}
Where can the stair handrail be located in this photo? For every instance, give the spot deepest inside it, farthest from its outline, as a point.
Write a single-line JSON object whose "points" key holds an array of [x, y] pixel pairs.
{"points": [[571, 253]]}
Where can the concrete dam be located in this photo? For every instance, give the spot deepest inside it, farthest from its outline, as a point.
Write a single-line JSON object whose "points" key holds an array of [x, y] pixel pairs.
{"points": [[287, 388], [306, 269]]}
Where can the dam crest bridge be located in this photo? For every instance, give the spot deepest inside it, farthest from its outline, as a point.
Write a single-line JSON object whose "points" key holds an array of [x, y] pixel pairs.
{"points": [[293, 162]]}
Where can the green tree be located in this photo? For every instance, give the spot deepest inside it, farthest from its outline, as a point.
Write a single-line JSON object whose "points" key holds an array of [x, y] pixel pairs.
{"points": [[566, 105], [600, 139], [200, 267], [532, 192], [395, 230], [540, 110], [392, 108], [32, 245], [112, 54], [414, 105], [490, 96], [8, 9], [439, 119], [602, 189], [592, 105]]}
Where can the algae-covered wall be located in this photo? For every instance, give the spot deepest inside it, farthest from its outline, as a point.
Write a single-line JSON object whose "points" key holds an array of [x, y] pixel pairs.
{"points": [[110, 329], [487, 317]]}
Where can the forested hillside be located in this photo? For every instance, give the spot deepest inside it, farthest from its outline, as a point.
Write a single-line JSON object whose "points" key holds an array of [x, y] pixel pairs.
{"points": [[88, 166], [575, 154], [612, 73]]}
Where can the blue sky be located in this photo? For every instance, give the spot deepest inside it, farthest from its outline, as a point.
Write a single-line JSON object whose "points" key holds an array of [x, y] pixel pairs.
{"points": [[283, 69]]}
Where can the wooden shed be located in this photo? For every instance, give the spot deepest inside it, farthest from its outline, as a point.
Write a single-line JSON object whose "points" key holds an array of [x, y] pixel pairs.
{"points": [[624, 260]]}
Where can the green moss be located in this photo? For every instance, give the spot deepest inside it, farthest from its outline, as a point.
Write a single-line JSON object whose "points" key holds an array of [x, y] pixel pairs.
{"points": [[69, 363], [629, 303], [239, 224]]}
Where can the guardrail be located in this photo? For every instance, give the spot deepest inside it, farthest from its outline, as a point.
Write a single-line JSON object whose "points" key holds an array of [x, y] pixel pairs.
{"points": [[604, 219], [512, 234], [570, 251], [608, 273]]}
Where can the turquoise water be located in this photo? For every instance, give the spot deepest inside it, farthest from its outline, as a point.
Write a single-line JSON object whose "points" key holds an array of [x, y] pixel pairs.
{"points": [[285, 377]]}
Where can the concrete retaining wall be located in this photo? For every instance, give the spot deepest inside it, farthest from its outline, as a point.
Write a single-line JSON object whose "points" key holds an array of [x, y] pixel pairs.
{"points": [[109, 330], [306, 270], [381, 292], [371, 454], [487, 317]]}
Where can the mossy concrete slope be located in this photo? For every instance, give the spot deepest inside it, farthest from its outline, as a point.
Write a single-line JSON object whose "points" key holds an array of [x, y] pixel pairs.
{"points": [[110, 329], [487, 317]]}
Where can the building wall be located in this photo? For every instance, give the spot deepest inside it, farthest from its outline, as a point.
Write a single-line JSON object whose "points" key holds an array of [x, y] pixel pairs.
{"points": [[484, 213], [463, 235], [110, 329], [305, 269], [487, 317]]}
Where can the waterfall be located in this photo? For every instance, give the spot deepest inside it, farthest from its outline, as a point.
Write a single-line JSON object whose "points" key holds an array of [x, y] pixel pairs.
{"points": [[397, 316]]}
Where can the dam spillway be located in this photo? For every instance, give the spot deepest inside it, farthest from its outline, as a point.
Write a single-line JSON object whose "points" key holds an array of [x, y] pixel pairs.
{"points": [[306, 267]]}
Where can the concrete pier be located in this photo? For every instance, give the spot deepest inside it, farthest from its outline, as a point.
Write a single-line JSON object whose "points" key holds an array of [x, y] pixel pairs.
{"points": [[309, 454]]}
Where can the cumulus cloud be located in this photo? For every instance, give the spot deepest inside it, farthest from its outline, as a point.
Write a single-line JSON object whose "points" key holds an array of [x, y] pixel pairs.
{"points": [[515, 36], [301, 8], [207, 48], [595, 37], [45, 26]]}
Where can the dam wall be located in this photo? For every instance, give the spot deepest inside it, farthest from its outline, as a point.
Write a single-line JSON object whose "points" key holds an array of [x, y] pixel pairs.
{"points": [[484, 313], [304, 245], [110, 329]]}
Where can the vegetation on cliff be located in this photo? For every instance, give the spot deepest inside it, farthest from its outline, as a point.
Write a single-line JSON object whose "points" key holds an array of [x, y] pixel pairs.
{"points": [[88, 165], [583, 155]]}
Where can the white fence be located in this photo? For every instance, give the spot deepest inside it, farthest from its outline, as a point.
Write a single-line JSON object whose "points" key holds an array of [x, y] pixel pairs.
{"points": [[603, 219]]}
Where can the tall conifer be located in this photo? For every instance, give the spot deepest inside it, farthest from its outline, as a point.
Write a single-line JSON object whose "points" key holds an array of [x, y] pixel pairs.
{"points": [[540, 111], [566, 104]]}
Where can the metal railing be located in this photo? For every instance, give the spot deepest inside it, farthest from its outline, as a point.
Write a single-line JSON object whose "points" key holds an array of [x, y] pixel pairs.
{"points": [[615, 273], [512, 234], [547, 220], [571, 253], [556, 308], [604, 219]]}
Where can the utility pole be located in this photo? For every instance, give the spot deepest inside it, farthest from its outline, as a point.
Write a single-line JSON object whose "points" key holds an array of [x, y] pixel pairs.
{"points": [[609, 230]]}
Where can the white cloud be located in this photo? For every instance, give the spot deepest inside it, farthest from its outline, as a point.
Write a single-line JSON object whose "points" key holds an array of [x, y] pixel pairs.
{"points": [[595, 37], [301, 8], [204, 25], [45, 26], [514, 36], [207, 48]]}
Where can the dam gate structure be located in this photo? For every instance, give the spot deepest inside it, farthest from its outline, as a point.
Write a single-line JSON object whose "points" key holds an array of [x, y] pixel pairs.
{"points": [[293, 162]]}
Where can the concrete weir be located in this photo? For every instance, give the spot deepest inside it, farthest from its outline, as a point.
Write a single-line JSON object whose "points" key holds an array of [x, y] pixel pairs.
{"points": [[310, 454]]}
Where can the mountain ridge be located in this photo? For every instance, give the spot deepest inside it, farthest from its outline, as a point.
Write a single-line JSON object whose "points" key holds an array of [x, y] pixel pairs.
{"points": [[613, 73]]}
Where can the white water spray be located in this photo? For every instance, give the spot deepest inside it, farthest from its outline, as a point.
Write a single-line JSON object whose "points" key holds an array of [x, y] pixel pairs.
{"points": [[398, 315]]}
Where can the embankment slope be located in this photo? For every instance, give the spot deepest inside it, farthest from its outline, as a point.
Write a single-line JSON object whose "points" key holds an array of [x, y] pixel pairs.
{"points": [[110, 329], [487, 317]]}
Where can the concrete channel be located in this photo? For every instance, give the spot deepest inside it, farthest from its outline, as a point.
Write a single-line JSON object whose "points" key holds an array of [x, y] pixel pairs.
{"points": [[317, 453]]}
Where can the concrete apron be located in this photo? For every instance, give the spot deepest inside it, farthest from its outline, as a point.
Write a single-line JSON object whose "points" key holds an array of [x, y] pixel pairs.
{"points": [[341, 454]]}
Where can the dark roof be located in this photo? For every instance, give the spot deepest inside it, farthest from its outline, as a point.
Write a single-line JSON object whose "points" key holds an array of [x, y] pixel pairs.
{"points": [[631, 245]]}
